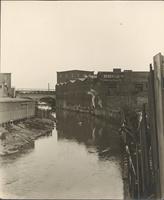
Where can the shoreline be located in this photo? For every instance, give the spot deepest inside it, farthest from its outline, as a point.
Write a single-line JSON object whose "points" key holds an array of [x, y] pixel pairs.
{"points": [[112, 116], [19, 136]]}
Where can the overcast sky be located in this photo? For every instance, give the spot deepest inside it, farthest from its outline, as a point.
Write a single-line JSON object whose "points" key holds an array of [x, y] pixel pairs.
{"points": [[40, 37]]}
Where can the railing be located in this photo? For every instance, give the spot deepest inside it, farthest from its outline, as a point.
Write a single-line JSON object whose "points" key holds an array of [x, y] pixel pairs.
{"points": [[35, 89]]}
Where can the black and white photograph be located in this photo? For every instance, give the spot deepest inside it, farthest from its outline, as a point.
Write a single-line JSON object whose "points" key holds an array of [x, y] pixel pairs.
{"points": [[82, 100]]}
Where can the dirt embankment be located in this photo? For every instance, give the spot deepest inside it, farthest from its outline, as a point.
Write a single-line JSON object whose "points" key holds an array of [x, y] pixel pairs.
{"points": [[16, 137]]}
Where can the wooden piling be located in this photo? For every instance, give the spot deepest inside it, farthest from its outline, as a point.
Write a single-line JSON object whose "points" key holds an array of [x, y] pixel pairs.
{"points": [[153, 134], [159, 108]]}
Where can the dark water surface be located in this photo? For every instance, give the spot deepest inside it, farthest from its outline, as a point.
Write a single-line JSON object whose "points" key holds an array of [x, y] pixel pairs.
{"points": [[80, 160]]}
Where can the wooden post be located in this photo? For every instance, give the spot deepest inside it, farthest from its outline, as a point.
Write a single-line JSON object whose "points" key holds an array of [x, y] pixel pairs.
{"points": [[137, 172], [153, 134], [159, 107]]}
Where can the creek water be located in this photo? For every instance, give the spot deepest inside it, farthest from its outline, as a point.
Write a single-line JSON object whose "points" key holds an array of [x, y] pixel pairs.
{"points": [[80, 159]]}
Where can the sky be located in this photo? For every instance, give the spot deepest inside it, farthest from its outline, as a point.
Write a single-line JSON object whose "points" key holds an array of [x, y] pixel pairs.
{"points": [[39, 38]]}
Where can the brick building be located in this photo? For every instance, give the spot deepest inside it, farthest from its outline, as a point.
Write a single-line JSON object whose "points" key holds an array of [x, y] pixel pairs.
{"points": [[110, 89], [125, 82], [74, 93], [72, 75]]}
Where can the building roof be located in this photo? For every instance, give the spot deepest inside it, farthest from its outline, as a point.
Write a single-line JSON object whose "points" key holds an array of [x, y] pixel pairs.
{"points": [[99, 72], [123, 71], [76, 70]]}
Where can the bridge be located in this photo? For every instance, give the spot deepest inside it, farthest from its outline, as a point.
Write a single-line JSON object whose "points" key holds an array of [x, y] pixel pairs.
{"points": [[36, 94]]}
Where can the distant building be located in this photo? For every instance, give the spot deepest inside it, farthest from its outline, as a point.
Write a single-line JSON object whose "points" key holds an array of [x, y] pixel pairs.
{"points": [[5, 84], [16, 109], [124, 82], [108, 75], [66, 76], [109, 89], [13, 108]]}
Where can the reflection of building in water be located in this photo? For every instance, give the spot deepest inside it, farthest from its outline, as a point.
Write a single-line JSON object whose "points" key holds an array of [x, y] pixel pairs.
{"points": [[94, 133], [75, 127], [104, 90]]}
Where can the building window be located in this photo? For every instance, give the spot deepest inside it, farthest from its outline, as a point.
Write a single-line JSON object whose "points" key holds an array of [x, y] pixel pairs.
{"points": [[139, 87], [109, 92], [114, 76], [146, 85], [108, 76], [113, 85]]}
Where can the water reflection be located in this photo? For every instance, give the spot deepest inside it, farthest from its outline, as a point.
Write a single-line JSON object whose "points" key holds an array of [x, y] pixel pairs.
{"points": [[81, 160], [97, 135]]}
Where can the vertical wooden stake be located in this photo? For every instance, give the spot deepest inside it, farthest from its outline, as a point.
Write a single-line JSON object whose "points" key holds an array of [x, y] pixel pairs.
{"points": [[158, 83]]}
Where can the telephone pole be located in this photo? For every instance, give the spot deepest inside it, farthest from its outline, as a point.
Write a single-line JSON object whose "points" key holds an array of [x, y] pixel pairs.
{"points": [[48, 86]]}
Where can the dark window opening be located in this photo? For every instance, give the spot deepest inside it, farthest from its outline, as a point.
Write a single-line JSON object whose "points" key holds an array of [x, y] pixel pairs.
{"points": [[112, 85], [139, 87]]}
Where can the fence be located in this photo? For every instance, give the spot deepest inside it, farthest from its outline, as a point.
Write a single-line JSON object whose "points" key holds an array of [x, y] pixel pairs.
{"points": [[143, 140], [137, 154], [156, 110]]}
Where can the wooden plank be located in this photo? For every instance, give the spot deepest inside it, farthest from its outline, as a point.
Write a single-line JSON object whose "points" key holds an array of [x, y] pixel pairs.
{"points": [[158, 86], [153, 133]]}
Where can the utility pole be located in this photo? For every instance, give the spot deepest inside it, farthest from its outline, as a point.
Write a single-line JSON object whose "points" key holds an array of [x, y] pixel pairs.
{"points": [[48, 86]]}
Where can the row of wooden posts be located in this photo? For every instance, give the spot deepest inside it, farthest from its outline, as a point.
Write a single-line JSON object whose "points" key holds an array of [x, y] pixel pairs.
{"points": [[144, 140], [156, 116]]}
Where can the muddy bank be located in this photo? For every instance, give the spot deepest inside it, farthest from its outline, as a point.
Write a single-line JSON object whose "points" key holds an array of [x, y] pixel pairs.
{"points": [[19, 136]]}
